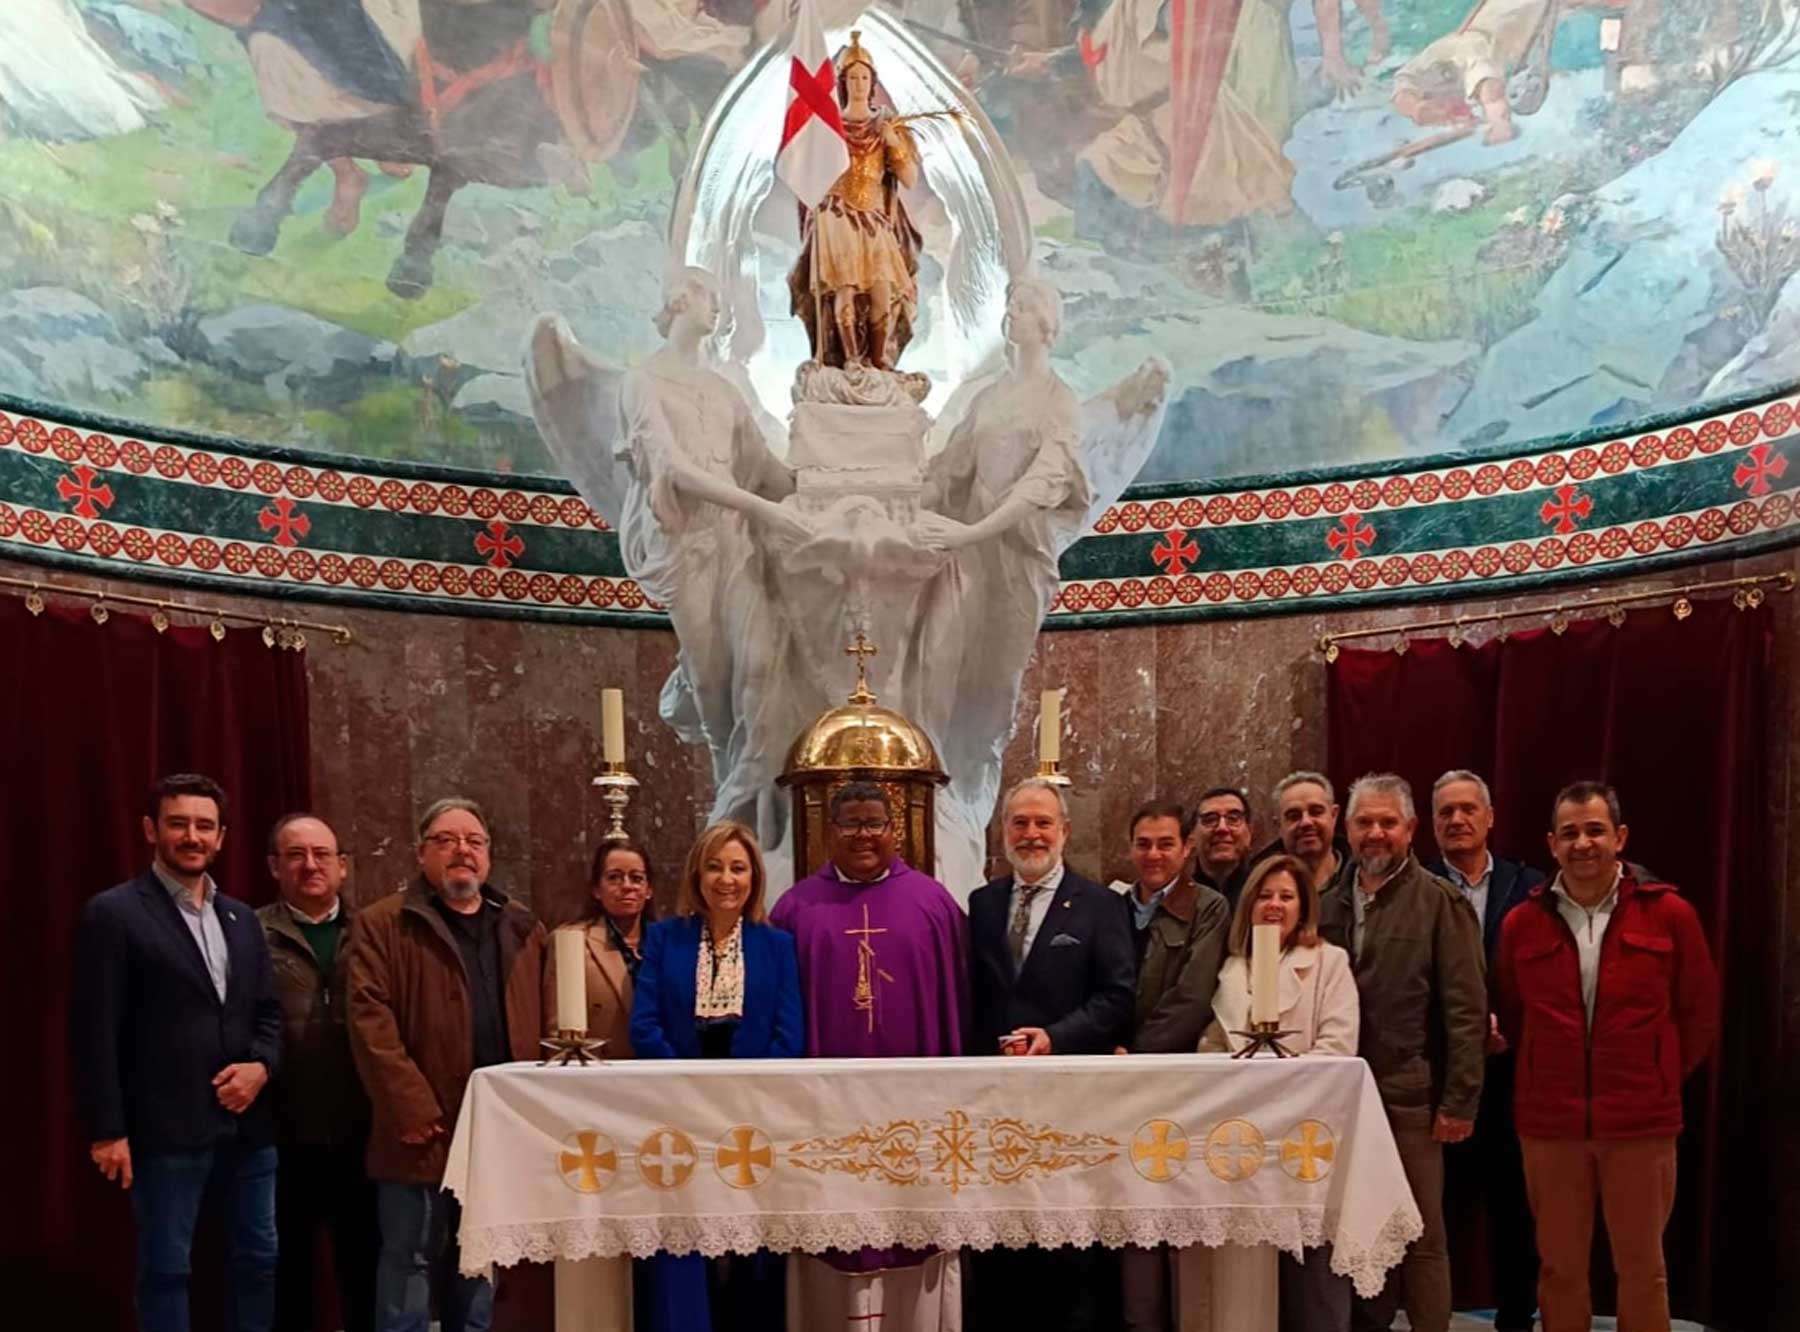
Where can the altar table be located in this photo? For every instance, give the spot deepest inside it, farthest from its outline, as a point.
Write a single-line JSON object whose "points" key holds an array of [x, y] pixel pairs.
{"points": [[814, 1154]]}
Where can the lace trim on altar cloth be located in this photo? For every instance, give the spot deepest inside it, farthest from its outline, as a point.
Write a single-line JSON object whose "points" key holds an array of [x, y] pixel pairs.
{"points": [[1288, 1228]]}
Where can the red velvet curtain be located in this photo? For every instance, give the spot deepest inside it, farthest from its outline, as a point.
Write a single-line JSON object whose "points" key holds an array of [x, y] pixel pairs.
{"points": [[90, 714], [1671, 712]]}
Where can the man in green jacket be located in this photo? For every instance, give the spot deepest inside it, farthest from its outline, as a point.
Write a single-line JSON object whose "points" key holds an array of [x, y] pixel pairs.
{"points": [[1416, 948], [321, 1113]]}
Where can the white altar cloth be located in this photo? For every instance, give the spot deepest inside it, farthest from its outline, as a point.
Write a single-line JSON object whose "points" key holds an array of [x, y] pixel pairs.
{"points": [[812, 1154]]}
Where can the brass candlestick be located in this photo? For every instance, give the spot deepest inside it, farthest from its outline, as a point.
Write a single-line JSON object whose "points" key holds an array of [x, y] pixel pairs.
{"points": [[1050, 770], [1264, 1036], [616, 786], [571, 1047]]}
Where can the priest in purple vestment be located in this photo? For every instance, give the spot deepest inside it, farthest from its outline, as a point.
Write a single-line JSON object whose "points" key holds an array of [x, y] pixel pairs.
{"points": [[884, 972]]}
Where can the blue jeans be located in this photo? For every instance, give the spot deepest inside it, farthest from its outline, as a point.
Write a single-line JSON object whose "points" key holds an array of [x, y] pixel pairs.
{"points": [[167, 1190], [418, 1256]]}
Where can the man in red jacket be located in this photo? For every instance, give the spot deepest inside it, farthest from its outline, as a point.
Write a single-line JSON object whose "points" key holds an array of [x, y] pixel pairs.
{"points": [[1605, 987]]}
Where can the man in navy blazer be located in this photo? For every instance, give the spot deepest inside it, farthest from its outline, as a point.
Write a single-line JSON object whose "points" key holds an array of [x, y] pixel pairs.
{"points": [[1486, 1173], [1053, 970], [177, 1029]]}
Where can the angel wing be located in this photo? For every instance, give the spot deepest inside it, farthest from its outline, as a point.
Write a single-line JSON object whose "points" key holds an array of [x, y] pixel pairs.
{"points": [[1119, 428], [575, 400]]}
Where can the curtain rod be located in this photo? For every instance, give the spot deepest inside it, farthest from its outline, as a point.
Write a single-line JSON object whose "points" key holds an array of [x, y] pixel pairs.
{"points": [[1746, 593], [277, 631]]}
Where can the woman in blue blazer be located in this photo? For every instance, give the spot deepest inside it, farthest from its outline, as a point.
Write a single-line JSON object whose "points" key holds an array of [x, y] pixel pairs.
{"points": [[717, 982]]}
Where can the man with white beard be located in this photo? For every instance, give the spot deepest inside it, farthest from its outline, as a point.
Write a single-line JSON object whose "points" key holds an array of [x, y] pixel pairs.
{"points": [[1416, 948], [445, 977], [1053, 970]]}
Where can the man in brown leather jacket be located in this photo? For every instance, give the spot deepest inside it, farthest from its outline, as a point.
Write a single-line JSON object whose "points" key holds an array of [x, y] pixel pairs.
{"points": [[321, 1113], [445, 978], [1416, 947]]}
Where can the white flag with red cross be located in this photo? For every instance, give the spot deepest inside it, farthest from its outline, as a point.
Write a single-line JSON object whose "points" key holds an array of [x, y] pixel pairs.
{"points": [[813, 153]]}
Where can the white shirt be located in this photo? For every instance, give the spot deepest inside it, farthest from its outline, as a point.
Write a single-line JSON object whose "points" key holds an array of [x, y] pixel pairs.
{"points": [[1589, 929], [302, 918], [1040, 904], [1476, 889]]}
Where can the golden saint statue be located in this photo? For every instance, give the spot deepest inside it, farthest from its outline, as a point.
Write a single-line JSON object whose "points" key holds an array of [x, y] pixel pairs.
{"points": [[855, 286]]}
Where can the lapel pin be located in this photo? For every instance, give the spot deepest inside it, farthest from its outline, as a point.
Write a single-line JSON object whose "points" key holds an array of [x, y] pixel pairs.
{"points": [[1065, 904]]}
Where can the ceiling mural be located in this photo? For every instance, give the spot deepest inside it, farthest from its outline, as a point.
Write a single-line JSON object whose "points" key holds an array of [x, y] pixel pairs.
{"points": [[1376, 240]]}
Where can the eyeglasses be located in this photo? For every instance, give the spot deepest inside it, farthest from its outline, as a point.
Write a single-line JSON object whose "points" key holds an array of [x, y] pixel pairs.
{"points": [[635, 878], [870, 826], [447, 841], [1231, 818]]}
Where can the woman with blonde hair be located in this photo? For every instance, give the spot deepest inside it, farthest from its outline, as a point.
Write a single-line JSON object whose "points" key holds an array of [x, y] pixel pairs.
{"points": [[1320, 1012], [718, 982]]}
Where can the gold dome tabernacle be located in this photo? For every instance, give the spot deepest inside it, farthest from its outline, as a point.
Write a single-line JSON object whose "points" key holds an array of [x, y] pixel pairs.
{"points": [[862, 741], [871, 739]]}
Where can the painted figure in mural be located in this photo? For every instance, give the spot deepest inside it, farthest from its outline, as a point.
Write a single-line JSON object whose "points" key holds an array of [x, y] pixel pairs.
{"points": [[513, 93], [697, 498], [1498, 58], [855, 285], [1019, 479], [1209, 152]]}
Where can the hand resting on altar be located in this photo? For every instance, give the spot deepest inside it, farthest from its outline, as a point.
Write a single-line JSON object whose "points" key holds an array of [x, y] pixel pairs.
{"points": [[939, 534], [1036, 1041]]}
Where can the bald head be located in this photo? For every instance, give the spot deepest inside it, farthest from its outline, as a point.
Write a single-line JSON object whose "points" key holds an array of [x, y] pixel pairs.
{"points": [[308, 866]]}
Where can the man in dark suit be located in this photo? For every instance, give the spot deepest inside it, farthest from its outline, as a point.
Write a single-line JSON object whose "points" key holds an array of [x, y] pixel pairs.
{"points": [[1486, 1174], [177, 1030], [1053, 971]]}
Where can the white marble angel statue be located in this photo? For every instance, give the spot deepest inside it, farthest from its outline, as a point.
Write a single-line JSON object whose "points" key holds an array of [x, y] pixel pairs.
{"points": [[671, 456], [1024, 472]]}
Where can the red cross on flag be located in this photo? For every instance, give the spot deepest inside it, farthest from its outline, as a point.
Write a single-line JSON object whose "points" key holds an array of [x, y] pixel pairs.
{"points": [[812, 154]]}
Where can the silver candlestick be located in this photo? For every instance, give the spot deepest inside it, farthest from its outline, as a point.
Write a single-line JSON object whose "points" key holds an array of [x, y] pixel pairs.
{"points": [[616, 786]]}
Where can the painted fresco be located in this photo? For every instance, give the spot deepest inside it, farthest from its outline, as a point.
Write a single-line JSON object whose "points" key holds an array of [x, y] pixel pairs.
{"points": [[1357, 229]]}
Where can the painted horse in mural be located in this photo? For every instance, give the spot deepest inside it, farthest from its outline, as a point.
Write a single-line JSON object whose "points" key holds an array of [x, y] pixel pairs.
{"points": [[510, 93]]}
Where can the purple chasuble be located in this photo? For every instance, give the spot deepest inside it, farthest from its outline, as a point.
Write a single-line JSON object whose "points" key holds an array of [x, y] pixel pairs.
{"points": [[884, 971]]}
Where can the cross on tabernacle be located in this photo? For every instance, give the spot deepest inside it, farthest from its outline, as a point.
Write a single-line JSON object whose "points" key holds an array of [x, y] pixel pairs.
{"points": [[861, 648]]}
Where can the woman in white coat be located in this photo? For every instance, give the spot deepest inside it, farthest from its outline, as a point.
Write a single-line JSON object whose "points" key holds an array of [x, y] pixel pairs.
{"points": [[1319, 1008]]}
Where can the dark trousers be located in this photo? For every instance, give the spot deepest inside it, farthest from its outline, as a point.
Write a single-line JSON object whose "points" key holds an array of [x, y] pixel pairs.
{"points": [[420, 1259], [1313, 1297], [689, 1292], [1486, 1175], [1421, 1284], [324, 1190], [167, 1191], [1047, 1290]]}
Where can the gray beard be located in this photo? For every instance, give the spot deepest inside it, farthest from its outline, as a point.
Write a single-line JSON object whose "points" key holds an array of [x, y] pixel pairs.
{"points": [[1378, 867], [1046, 859], [456, 894]]}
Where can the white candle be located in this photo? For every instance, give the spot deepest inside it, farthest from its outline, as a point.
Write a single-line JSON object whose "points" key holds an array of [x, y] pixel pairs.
{"points": [[612, 725], [571, 980], [1050, 726], [1265, 973]]}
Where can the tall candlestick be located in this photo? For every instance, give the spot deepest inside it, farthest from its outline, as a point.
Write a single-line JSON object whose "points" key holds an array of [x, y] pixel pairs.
{"points": [[571, 980], [612, 725], [1050, 726], [1265, 974]]}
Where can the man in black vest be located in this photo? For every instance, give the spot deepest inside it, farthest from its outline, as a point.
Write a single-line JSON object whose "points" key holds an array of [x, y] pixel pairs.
{"points": [[1053, 970], [177, 1030], [1486, 1174]]}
